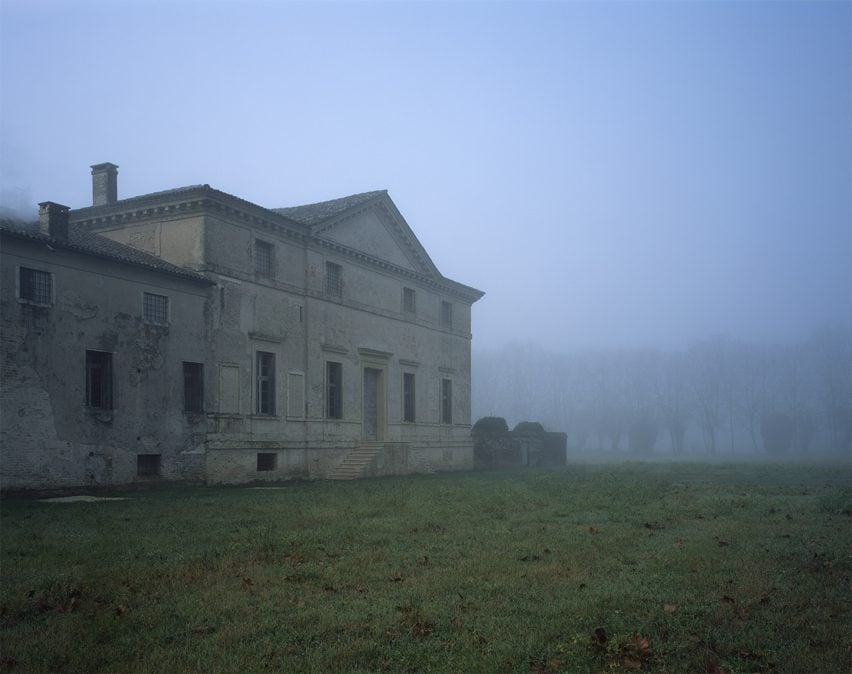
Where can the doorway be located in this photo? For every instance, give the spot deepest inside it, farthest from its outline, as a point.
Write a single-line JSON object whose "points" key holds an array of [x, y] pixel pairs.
{"points": [[373, 408]]}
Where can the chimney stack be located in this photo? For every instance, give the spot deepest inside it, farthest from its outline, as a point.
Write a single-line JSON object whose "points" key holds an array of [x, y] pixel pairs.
{"points": [[53, 219], [104, 184]]}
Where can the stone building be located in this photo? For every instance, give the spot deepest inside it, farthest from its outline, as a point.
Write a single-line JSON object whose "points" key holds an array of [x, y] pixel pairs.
{"points": [[193, 335]]}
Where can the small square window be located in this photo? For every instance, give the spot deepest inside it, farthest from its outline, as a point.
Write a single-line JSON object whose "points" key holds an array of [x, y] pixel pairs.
{"points": [[264, 258], [266, 461], [147, 465], [409, 300], [333, 279], [35, 286], [155, 308]]}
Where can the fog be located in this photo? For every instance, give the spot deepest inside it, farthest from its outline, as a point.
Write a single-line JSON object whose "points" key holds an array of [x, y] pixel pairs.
{"points": [[619, 178], [714, 397]]}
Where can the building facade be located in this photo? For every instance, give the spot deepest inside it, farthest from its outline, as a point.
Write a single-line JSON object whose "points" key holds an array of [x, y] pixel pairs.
{"points": [[193, 335]]}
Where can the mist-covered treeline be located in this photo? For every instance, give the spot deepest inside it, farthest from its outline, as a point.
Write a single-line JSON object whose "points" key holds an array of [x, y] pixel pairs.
{"points": [[715, 395]]}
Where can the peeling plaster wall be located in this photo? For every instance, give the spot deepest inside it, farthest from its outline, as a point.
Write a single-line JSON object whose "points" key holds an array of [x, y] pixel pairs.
{"points": [[49, 437]]}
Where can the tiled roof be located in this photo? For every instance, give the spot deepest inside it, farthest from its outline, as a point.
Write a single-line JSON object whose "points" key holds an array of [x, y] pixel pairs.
{"points": [[312, 214], [83, 241]]}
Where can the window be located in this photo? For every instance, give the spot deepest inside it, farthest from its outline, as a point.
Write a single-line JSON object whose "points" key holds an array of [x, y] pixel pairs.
{"points": [[147, 465], [334, 390], [155, 308], [265, 375], [409, 300], [446, 315], [266, 461], [333, 279], [99, 380], [408, 396], [35, 286], [264, 258], [193, 387], [446, 401]]}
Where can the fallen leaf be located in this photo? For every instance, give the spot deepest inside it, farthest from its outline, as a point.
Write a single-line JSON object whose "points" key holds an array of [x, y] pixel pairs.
{"points": [[722, 543], [632, 662], [247, 582], [121, 609], [203, 629], [728, 600], [670, 608], [593, 530]]}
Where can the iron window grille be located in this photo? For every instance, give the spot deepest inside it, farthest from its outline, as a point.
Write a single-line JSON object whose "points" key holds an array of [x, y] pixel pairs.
{"points": [[333, 279], [155, 308], [264, 258], [266, 461], [35, 286]]}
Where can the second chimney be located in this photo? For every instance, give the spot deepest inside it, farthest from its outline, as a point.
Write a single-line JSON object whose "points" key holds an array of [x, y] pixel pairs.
{"points": [[53, 220], [104, 184]]}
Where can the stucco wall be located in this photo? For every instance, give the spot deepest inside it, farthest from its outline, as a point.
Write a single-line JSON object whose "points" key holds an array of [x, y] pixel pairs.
{"points": [[48, 435]]}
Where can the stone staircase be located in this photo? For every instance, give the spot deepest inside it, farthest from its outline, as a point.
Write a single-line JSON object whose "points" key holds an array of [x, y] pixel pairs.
{"points": [[355, 463]]}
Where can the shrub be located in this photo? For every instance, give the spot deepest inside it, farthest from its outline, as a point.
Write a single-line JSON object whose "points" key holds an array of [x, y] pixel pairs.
{"points": [[528, 427], [491, 425]]}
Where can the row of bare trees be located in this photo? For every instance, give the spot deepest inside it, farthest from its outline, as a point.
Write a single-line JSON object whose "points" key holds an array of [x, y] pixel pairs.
{"points": [[715, 395]]}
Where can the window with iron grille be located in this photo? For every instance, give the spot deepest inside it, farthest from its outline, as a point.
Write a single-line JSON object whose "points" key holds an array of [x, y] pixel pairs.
{"points": [[266, 461], [334, 390], [265, 375], [409, 300], [408, 396], [264, 258], [147, 465], [155, 308], [193, 387], [446, 401], [446, 315], [99, 380], [333, 279], [35, 286]]}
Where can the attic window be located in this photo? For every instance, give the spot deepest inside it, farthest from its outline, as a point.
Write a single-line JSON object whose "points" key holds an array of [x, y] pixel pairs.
{"points": [[264, 258], [409, 300], [447, 315], [333, 279]]}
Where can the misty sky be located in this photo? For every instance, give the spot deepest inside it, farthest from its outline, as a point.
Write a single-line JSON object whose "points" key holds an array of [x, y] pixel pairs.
{"points": [[611, 174]]}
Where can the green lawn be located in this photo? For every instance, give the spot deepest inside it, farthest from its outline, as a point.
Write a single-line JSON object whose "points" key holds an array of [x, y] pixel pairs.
{"points": [[662, 567]]}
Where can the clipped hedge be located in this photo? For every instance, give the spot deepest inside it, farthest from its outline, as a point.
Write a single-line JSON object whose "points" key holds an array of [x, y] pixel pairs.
{"points": [[491, 425], [528, 427]]}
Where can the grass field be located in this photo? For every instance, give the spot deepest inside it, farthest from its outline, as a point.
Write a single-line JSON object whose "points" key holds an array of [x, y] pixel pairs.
{"points": [[661, 567]]}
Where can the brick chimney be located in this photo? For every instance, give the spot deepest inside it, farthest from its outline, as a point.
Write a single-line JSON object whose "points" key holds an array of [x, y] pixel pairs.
{"points": [[104, 184], [53, 219]]}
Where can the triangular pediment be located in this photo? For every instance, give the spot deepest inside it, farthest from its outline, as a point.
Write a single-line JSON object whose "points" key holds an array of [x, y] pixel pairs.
{"points": [[369, 223]]}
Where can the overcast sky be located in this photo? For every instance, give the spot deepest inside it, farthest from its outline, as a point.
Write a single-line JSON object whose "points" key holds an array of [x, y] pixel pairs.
{"points": [[609, 173]]}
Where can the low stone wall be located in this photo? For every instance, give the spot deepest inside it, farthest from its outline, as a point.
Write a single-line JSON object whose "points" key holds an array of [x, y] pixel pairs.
{"points": [[513, 449]]}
